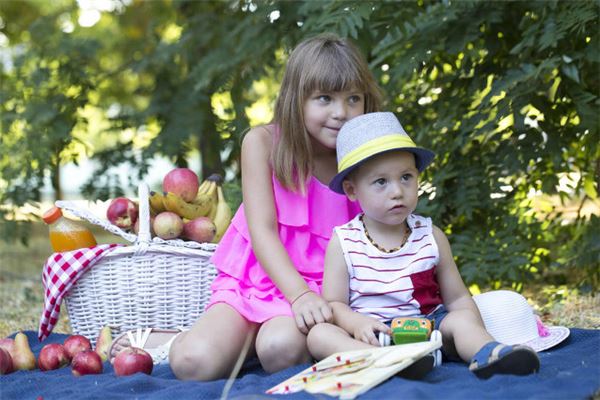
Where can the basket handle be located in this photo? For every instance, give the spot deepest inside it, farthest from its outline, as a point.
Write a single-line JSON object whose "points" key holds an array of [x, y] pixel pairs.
{"points": [[144, 214], [93, 219], [144, 236]]}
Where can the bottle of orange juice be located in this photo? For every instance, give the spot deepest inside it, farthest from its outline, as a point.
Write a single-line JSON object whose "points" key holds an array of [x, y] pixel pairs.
{"points": [[66, 234]]}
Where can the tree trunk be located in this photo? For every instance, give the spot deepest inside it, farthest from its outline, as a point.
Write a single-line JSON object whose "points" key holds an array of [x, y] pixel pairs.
{"points": [[210, 142], [55, 178]]}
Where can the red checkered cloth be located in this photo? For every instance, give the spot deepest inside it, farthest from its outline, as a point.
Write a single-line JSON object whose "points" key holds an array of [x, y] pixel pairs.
{"points": [[60, 272]]}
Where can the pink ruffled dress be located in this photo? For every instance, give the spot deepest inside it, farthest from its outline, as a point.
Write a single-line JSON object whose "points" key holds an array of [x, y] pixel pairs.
{"points": [[305, 223]]}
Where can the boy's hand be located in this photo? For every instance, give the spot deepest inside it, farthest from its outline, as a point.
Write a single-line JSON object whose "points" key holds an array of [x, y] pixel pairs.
{"points": [[310, 309], [366, 328]]}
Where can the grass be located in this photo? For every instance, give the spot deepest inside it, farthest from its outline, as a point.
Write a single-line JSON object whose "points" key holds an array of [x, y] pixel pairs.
{"points": [[22, 299], [564, 306]]}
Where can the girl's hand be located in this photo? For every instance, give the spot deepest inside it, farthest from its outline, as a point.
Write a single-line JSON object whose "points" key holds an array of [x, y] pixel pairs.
{"points": [[367, 330], [310, 309]]}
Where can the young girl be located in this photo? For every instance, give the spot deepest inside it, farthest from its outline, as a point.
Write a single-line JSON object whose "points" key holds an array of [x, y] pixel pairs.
{"points": [[388, 262], [270, 261]]}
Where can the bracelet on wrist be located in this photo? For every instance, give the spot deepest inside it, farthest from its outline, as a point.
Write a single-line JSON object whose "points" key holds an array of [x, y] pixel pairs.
{"points": [[300, 295]]}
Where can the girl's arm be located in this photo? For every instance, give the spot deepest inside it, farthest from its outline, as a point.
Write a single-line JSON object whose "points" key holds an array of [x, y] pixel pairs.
{"points": [[455, 294], [259, 206], [336, 291]]}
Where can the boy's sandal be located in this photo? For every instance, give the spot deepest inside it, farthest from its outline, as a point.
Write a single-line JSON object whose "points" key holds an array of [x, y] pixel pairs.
{"points": [[496, 358], [139, 338]]}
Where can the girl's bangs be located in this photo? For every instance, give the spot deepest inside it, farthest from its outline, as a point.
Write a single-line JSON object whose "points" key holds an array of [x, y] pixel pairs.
{"points": [[334, 73]]}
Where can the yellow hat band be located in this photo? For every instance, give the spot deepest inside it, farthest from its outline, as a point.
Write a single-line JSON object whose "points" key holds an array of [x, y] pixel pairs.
{"points": [[375, 146]]}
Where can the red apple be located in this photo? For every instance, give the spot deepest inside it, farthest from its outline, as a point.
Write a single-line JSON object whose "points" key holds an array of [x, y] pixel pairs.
{"points": [[53, 356], [76, 343], [122, 212], [6, 362], [201, 230], [131, 360], [8, 344], [86, 362], [183, 182], [167, 225]]}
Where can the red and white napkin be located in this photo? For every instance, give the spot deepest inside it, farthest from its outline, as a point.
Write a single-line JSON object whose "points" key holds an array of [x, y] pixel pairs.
{"points": [[60, 272]]}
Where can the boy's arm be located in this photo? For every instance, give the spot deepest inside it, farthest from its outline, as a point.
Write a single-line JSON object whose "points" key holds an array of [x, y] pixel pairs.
{"points": [[336, 291], [455, 294]]}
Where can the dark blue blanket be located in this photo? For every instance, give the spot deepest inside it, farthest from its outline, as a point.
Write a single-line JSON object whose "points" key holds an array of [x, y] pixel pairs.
{"points": [[569, 371]]}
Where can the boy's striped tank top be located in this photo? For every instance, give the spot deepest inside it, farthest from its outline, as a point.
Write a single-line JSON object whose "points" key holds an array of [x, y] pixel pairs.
{"points": [[389, 285]]}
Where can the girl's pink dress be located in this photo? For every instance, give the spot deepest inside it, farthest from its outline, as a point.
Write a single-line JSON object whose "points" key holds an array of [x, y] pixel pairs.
{"points": [[305, 223]]}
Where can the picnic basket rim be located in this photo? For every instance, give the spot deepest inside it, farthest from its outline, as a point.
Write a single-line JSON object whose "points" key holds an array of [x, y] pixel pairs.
{"points": [[151, 283]]}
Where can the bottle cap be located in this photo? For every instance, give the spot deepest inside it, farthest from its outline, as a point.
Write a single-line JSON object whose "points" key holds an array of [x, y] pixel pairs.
{"points": [[52, 215]]}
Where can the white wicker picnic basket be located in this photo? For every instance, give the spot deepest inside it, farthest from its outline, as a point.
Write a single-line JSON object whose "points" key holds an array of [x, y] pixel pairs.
{"points": [[152, 283]]}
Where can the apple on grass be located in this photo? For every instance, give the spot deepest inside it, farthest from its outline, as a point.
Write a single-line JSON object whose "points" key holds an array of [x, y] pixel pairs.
{"points": [[132, 360], [86, 362], [76, 343], [53, 356]]}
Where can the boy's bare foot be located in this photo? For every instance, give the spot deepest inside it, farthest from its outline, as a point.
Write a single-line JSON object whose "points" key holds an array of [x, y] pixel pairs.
{"points": [[155, 341]]}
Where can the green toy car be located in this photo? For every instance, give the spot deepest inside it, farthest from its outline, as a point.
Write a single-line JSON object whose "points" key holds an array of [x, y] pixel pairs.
{"points": [[411, 330]]}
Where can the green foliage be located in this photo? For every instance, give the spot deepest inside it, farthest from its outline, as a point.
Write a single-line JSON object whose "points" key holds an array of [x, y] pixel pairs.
{"points": [[502, 101], [506, 94]]}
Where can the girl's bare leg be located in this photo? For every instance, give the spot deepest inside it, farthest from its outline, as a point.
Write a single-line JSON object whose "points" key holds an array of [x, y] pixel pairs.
{"points": [[326, 339], [210, 349], [463, 334], [279, 344]]}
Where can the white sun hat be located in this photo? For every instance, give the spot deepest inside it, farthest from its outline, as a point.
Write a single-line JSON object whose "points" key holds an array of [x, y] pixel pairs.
{"points": [[510, 320]]}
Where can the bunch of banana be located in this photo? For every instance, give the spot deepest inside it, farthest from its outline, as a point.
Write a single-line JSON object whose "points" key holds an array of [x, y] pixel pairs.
{"points": [[156, 203], [209, 202], [207, 194], [223, 215], [219, 213], [199, 207]]}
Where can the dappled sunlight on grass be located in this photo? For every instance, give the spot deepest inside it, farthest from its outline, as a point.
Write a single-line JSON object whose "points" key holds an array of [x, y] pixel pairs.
{"points": [[561, 305]]}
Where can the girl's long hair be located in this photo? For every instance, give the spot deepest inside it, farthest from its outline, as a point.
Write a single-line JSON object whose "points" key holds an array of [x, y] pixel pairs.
{"points": [[326, 63]]}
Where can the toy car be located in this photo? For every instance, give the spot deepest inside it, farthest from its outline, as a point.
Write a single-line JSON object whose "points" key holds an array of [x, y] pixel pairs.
{"points": [[411, 330]]}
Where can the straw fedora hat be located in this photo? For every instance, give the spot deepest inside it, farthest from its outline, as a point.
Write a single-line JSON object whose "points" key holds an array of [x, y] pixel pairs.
{"points": [[368, 135], [510, 320]]}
